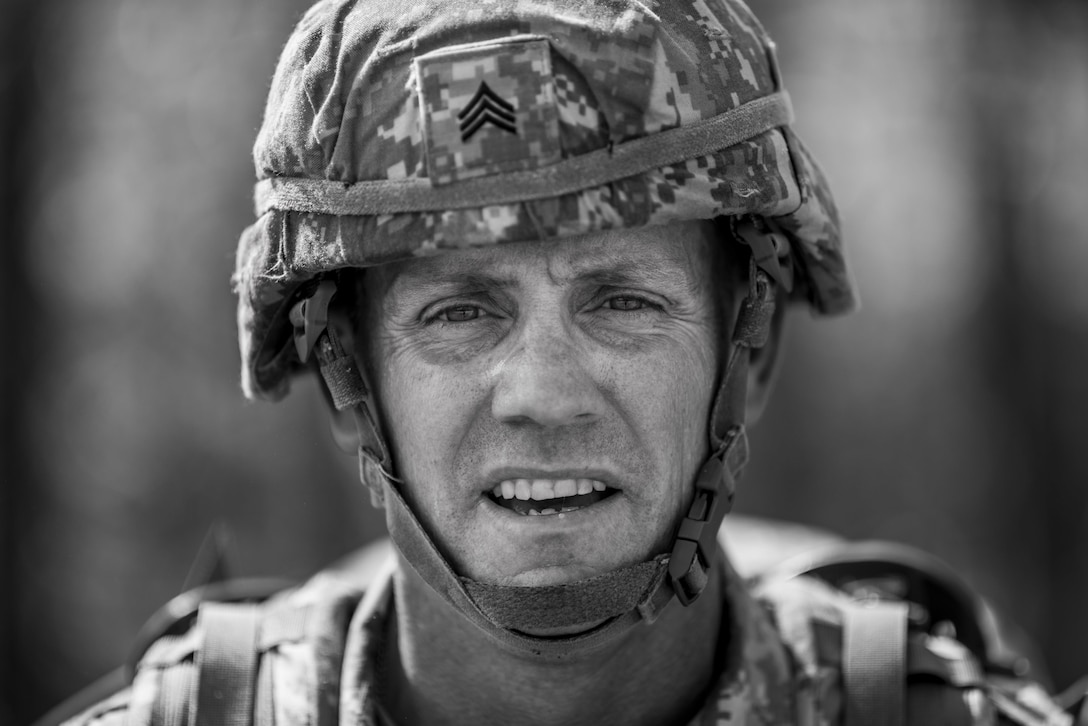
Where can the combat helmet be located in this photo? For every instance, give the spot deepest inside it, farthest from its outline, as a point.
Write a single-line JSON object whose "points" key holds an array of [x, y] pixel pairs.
{"points": [[395, 129]]}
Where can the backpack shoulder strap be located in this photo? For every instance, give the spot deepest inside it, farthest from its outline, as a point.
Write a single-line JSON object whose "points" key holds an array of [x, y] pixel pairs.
{"points": [[226, 664], [874, 663]]}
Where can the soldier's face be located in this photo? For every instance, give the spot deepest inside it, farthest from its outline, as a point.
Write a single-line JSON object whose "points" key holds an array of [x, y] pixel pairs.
{"points": [[547, 403]]}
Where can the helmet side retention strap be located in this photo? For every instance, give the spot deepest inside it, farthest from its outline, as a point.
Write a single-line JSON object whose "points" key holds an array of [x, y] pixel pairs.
{"points": [[317, 331], [696, 540]]}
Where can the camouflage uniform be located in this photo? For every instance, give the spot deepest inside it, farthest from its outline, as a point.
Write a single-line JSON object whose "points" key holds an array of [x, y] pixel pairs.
{"points": [[781, 658], [394, 130]]}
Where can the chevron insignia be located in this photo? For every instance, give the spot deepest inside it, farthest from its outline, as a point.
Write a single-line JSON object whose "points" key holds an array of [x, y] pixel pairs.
{"points": [[486, 107]]}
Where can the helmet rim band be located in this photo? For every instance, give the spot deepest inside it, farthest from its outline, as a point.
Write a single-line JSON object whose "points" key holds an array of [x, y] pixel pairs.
{"points": [[593, 169]]}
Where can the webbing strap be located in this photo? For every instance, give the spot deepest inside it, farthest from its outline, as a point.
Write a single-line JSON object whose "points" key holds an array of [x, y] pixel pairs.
{"points": [[348, 388], [875, 663], [751, 330], [597, 598], [586, 171], [344, 382], [226, 665], [175, 696]]}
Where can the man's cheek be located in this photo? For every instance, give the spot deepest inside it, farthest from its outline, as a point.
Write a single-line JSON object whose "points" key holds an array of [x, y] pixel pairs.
{"points": [[676, 388], [445, 345]]}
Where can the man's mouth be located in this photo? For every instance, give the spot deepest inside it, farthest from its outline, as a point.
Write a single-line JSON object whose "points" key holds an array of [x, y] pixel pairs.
{"points": [[536, 497]]}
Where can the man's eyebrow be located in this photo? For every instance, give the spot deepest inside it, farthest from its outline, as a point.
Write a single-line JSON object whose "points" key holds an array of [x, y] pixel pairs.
{"points": [[631, 272], [461, 278], [412, 288], [598, 269]]}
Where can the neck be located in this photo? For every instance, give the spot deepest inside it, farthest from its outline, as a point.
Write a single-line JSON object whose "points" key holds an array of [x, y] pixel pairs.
{"points": [[441, 669]]}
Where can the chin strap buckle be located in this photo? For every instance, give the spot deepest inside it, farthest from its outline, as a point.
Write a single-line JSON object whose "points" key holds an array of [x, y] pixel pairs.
{"points": [[697, 539], [770, 247], [310, 317]]}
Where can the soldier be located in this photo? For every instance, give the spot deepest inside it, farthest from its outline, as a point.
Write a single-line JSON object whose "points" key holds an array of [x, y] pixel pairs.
{"points": [[554, 426]]}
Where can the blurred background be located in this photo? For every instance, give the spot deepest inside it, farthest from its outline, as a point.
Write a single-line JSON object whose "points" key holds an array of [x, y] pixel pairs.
{"points": [[951, 413]]}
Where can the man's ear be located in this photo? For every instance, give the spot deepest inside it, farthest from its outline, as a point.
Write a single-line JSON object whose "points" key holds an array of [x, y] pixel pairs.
{"points": [[344, 431], [763, 363]]}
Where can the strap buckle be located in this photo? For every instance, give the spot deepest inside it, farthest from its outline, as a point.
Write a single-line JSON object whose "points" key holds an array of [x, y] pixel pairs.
{"points": [[697, 538], [770, 248], [310, 318]]}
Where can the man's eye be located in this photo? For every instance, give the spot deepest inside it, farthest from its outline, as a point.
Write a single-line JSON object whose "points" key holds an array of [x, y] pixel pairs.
{"points": [[625, 302], [459, 313]]}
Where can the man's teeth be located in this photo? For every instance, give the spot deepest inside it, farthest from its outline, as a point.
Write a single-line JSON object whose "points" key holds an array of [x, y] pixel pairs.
{"points": [[543, 489]]}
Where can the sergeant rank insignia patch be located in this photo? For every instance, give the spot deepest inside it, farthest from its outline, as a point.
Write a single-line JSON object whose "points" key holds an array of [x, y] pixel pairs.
{"points": [[488, 108]]}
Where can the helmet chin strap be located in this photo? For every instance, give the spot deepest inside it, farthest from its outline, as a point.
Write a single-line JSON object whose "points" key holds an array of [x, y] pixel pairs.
{"points": [[608, 605]]}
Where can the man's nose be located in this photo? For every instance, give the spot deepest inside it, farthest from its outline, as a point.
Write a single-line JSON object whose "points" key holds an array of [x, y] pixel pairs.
{"points": [[546, 381]]}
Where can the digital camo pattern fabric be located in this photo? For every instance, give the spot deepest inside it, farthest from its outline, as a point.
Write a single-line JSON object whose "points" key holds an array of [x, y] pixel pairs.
{"points": [[398, 90]]}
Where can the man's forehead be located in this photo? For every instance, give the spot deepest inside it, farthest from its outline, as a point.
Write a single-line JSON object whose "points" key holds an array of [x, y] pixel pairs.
{"points": [[675, 253]]}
